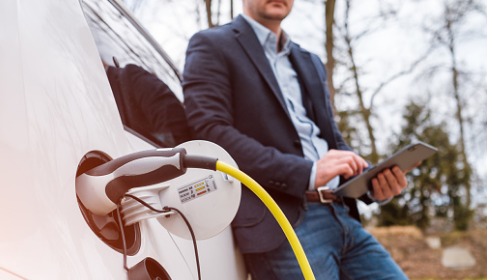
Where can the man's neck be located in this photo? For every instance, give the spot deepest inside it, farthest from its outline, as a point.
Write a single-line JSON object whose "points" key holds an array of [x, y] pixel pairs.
{"points": [[272, 25], [275, 28]]}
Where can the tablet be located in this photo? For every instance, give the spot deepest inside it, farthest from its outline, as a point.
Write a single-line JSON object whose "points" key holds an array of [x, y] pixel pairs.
{"points": [[405, 158]]}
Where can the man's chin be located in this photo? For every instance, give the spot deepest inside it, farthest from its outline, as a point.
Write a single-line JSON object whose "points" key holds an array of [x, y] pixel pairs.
{"points": [[277, 14]]}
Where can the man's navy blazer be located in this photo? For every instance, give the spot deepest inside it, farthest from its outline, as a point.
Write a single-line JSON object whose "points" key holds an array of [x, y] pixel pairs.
{"points": [[233, 99]]}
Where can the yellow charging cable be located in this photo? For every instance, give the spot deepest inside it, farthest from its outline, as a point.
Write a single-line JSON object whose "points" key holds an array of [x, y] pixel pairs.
{"points": [[277, 214]]}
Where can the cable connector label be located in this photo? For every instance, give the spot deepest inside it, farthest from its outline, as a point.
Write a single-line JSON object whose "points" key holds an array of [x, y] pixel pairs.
{"points": [[197, 189]]}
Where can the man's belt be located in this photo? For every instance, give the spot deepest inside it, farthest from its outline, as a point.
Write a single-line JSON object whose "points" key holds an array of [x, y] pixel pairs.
{"points": [[322, 195]]}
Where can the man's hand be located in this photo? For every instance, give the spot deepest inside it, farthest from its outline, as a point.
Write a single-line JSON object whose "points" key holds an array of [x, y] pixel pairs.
{"points": [[388, 183], [338, 162]]}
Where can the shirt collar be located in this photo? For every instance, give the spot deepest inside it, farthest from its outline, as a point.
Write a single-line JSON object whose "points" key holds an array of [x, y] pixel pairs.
{"points": [[267, 38]]}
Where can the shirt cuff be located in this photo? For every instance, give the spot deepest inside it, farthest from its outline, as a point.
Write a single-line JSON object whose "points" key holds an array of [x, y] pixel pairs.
{"points": [[312, 178]]}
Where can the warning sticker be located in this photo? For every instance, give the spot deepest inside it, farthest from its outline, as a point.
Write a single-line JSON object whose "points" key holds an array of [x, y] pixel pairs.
{"points": [[197, 189]]}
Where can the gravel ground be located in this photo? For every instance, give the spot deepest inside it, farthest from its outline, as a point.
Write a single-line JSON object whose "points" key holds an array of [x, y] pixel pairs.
{"points": [[410, 250]]}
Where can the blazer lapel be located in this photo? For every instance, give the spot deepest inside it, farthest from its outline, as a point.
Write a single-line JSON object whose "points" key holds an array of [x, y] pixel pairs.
{"points": [[313, 85], [304, 66], [251, 46]]}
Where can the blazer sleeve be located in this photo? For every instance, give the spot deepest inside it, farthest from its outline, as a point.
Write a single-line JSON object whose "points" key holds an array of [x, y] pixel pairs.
{"points": [[209, 106]]}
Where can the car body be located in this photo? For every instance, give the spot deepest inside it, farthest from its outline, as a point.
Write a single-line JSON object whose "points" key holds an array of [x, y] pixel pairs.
{"points": [[56, 111]]}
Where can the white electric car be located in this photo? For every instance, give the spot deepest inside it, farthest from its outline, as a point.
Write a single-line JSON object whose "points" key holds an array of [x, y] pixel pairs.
{"points": [[59, 119]]}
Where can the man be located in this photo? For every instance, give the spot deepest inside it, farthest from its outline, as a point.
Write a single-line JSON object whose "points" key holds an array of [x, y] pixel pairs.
{"points": [[253, 91]]}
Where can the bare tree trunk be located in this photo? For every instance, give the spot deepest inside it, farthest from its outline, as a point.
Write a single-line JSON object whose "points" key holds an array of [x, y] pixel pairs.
{"points": [[330, 60], [219, 4], [208, 8], [459, 107], [364, 111]]}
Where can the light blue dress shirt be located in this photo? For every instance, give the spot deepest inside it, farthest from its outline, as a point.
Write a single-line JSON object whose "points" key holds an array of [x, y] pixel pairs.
{"points": [[313, 146]]}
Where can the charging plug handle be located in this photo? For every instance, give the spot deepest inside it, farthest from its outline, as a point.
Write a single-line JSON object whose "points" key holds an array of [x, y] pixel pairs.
{"points": [[168, 166]]}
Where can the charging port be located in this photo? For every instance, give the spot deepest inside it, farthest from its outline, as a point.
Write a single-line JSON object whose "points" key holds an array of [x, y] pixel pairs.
{"points": [[106, 227]]}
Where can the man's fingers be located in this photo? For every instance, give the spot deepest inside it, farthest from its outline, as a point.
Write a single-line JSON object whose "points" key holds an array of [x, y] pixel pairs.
{"points": [[338, 162], [346, 170], [384, 184], [388, 183], [379, 188], [400, 177], [357, 164], [362, 164], [353, 166], [392, 183], [376, 189]]}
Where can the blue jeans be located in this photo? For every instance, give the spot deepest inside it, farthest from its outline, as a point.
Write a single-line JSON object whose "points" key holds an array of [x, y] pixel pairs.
{"points": [[336, 245]]}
